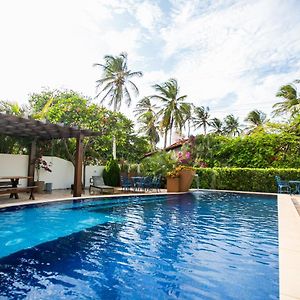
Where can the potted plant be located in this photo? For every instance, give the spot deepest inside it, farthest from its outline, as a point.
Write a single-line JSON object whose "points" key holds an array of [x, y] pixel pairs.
{"points": [[40, 163], [173, 181]]}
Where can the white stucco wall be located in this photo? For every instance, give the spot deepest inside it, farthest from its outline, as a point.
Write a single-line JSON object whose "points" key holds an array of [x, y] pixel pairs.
{"points": [[62, 175], [14, 165]]}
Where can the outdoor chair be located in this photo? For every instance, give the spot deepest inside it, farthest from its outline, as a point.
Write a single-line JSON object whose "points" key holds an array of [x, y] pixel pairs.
{"points": [[97, 182], [156, 182], [126, 183], [146, 183], [281, 185]]}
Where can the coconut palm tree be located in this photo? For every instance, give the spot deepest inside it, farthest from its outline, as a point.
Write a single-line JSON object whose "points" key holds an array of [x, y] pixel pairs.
{"points": [[232, 125], [147, 118], [291, 100], [173, 107], [115, 83], [217, 126], [201, 118], [188, 118], [256, 119]]}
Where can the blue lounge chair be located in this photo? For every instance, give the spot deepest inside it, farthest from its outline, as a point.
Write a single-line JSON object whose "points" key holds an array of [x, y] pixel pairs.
{"points": [[281, 185]]}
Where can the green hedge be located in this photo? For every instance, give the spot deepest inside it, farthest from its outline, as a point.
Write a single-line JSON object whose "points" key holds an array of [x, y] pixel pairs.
{"points": [[244, 179]]}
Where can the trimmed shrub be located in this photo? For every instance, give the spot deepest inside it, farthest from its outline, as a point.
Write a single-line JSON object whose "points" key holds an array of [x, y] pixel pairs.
{"points": [[111, 173], [244, 179]]}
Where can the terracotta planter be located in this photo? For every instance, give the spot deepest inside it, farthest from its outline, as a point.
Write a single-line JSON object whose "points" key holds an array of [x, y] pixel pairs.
{"points": [[172, 184], [40, 186], [186, 179]]}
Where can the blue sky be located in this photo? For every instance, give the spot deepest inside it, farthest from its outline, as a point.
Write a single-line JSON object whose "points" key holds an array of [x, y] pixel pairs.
{"points": [[229, 55]]}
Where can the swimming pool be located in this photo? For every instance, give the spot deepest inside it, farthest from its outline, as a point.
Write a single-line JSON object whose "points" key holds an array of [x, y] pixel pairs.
{"points": [[191, 246]]}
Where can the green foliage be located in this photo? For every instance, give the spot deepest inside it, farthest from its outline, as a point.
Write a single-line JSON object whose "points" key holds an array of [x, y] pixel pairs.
{"points": [[259, 150], [72, 109], [158, 164], [111, 173], [244, 179]]}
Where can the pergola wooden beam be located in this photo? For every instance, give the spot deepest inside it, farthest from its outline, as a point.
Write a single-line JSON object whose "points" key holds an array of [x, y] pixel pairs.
{"points": [[36, 130]]}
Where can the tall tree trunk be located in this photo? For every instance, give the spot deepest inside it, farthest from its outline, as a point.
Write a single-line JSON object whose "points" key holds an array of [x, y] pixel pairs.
{"points": [[166, 137], [171, 128], [189, 128], [114, 143], [204, 128]]}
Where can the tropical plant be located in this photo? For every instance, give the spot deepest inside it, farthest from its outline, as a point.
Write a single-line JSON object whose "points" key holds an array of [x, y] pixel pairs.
{"points": [[232, 126], [115, 83], [201, 118], [173, 108], [256, 119], [158, 164], [291, 100], [147, 118], [217, 126]]}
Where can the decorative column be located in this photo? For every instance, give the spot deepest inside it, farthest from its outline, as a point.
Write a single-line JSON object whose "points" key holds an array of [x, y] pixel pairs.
{"points": [[78, 167]]}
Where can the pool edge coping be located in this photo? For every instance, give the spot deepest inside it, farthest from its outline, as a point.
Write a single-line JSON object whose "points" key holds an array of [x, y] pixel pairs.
{"points": [[289, 248], [89, 197], [71, 198]]}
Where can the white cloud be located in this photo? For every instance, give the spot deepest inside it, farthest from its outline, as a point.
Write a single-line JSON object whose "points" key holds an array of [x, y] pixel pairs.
{"points": [[220, 51], [228, 50], [148, 14]]}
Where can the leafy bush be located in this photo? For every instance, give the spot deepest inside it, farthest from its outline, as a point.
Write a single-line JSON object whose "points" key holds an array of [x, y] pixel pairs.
{"points": [[244, 179], [158, 164], [111, 173], [133, 169]]}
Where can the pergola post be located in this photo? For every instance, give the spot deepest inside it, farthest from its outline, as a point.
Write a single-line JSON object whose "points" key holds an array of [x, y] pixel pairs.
{"points": [[78, 166], [31, 163]]}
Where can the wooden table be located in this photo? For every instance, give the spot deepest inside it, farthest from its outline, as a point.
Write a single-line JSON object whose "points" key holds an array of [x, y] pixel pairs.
{"points": [[14, 180]]}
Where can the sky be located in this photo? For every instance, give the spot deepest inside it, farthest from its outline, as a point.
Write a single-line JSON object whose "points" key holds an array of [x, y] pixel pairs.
{"points": [[230, 55]]}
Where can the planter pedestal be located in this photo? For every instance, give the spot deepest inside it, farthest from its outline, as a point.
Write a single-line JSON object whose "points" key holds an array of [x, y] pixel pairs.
{"points": [[172, 184]]}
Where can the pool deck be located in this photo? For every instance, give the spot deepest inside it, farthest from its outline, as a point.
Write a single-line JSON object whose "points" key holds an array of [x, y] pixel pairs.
{"points": [[289, 246], [288, 227]]}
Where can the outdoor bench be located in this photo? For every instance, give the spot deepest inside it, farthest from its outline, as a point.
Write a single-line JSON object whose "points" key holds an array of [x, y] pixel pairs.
{"points": [[13, 191], [5, 184]]}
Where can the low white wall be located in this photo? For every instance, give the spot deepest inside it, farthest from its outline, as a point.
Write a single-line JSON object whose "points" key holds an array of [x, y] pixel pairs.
{"points": [[14, 165], [61, 177]]}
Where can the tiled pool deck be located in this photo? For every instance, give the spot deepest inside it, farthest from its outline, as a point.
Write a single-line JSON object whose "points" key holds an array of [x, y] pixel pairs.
{"points": [[288, 223]]}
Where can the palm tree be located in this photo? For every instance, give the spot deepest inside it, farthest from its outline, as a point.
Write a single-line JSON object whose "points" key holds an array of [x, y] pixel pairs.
{"points": [[217, 126], [188, 118], [147, 117], [232, 126], [173, 108], [256, 119], [291, 102], [115, 83], [201, 118]]}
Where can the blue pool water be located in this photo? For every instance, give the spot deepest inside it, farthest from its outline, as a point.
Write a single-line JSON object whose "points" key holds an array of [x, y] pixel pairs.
{"points": [[192, 246]]}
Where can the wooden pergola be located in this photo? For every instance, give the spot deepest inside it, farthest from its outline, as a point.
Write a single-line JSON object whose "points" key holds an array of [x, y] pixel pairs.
{"points": [[37, 130]]}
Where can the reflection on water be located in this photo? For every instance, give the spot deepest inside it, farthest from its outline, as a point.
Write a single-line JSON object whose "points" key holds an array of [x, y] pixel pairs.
{"points": [[193, 246]]}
